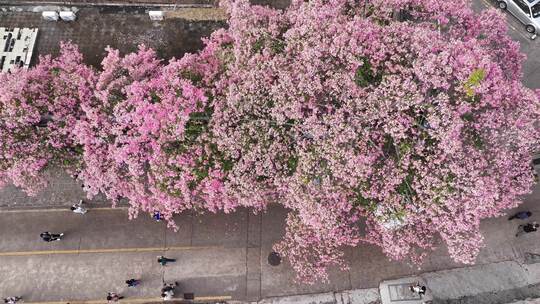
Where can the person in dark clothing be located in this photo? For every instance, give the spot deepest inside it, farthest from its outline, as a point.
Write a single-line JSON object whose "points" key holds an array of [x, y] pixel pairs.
{"points": [[528, 228], [49, 237], [168, 286], [418, 289], [167, 292], [520, 215], [133, 282], [163, 260], [113, 297], [157, 216], [12, 300]]}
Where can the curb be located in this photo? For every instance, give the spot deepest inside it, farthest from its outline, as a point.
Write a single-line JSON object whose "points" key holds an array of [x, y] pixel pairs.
{"points": [[58, 209], [355, 296]]}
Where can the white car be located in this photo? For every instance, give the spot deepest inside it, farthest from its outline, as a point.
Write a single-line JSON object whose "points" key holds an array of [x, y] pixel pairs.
{"points": [[526, 11]]}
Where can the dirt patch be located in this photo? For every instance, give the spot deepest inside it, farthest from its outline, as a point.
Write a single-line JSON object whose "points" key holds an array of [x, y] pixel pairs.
{"points": [[197, 14]]}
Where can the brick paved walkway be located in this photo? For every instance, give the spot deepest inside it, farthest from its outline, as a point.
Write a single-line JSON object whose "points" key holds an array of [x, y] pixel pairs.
{"points": [[273, 3], [97, 27], [126, 2]]}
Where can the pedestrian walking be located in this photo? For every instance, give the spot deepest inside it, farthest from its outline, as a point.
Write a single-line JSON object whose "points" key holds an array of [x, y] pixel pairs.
{"points": [[50, 237], [78, 208], [157, 216], [528, 228], [112, 297], [167, 292], [12, 300], [163, 260], [133, 282], [168, 295], [521, 215], [418, 289]]}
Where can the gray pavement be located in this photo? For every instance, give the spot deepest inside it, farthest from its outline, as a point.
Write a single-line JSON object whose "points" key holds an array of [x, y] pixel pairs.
{"points": [[123, 28], [149, 3], [219, 255], [63, 191]]}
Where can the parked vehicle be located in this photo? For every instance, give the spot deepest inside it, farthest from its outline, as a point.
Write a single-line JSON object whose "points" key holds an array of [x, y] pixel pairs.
{"points": [[536, 164], [526, 11]]}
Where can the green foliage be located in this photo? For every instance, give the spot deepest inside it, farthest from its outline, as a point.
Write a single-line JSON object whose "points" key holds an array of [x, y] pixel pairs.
{"points": [[398, 214], [196, 125], [389, 148], [154, 98], [473, 81], [476, 140], [404, 147], [261, 178], [191, 75], [362, 202], [115, 97], [292, 163], [226, 164], [201, 173], [404, 188], [469, 117], [277, 46], [173, 147], [78, 149], [365, 76], [258, 45], [366, 204]]}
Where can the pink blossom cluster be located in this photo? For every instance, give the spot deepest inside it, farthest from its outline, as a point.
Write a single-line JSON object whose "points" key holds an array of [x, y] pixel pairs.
{"points": [[38, 109], [145, 137], [404, 119], [400, 123]]}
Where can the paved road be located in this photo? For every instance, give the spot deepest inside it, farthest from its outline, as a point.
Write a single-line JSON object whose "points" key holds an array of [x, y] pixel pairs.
{"points": [[531, 67], [219, 256]]}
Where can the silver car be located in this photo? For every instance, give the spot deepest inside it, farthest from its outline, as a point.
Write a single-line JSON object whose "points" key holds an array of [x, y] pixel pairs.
{"points": [[526, 11]]}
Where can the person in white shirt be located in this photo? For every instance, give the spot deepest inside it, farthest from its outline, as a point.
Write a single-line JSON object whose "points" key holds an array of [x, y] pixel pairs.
{"points": [[418, 289], [77, 208], [12, 300]]}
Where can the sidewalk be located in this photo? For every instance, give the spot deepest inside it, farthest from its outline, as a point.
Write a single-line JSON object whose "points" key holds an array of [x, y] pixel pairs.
{"points": [[142, 3], [62, 192], [123, 28], [499, 283], [162, 3], [357, 296]]}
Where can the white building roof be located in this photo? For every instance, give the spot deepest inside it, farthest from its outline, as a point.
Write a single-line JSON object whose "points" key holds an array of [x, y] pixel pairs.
{"points": [[16, 47]]}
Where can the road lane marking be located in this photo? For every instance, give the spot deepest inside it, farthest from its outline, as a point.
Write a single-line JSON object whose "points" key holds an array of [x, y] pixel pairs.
{"points": [[136, 300], [111, 250], [66, 209]]}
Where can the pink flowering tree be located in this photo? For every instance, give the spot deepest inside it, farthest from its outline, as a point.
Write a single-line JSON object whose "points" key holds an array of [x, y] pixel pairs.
{"points": [[38, 108], [145, 137], [412, 124], [400, 123]]}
